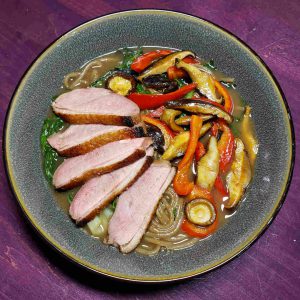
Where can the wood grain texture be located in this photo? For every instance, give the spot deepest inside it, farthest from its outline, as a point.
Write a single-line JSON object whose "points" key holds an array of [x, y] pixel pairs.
{"points": [[270, 269]]}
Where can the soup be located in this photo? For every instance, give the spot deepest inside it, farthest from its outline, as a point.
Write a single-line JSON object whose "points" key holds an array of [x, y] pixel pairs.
{"points": [[196, 120]]}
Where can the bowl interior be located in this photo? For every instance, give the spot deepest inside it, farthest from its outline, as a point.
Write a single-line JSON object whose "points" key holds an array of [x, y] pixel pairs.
{"points": [[152, 28]]}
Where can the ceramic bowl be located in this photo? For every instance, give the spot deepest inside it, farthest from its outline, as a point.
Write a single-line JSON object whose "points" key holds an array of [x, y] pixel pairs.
{"points": [[256, 85]]}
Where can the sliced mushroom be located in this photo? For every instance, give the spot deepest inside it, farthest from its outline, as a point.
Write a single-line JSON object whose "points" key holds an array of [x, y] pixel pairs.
{"points": [[121, 83], [239, 175], [185, 120], [200, 107], [162, 65], [160, 83], [208, 166], [200, 212], [205, 81]]}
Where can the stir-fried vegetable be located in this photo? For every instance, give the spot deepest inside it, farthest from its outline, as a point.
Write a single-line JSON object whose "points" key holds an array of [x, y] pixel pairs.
{"points": [[162, 65], [169, 116], [239, 175], [195, 230], [205, 82], [225, 144], [200, 151], [200, 212], [166, 131], [183, 182], [99, 225], [249, 140], [142, 62], [160, 83], [129, 56], [201, 106], [199, 192], [154, 101], [228, 104], [185, 120], [121, 83], [51, 125], [175, 73], [219, 185], [208, 166], [179, 144]]}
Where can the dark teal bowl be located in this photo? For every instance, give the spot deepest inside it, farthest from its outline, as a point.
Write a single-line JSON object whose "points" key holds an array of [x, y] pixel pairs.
{"points": [[256, 85]]}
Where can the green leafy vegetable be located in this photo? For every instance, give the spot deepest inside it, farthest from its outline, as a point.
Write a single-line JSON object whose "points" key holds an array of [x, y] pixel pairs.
{"points": [[129, 55], [181, 82], [189, 95], [234, 128], [53, 98], [101, 80], [51, 125], [210, 64], [113, 205], [141, 89], [70, 197]]}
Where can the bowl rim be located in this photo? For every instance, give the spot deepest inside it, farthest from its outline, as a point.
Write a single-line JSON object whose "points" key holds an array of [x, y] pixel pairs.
{"points": [[148, 279]]}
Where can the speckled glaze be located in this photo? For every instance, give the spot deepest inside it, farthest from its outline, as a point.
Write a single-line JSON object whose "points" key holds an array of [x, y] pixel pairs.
{"points": [[153, 28]]}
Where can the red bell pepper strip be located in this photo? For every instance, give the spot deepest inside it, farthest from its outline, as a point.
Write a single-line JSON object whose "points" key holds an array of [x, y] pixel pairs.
{"points": [[157, 112], [148, 101], [225, 144], [219, 185], [191, 60], [143, 61], [174, 73], [214, 129], [164, 128], [228, 104], [198, 231], [195, 126], [225, 147], [199, 192], [194, 230], [183, 182], [200, 151]]}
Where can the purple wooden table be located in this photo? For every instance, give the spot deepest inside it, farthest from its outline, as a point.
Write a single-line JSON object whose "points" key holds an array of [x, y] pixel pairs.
{"points": [[270, 269]]}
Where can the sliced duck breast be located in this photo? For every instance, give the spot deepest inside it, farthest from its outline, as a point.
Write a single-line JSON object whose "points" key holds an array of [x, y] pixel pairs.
{"points": [[99, 191], [76, 170], [136, 206], [96, 106], [80, 139]]}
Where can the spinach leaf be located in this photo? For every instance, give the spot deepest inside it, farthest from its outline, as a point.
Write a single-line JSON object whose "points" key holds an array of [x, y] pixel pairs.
{"points": [[129, 55], [99, 83], [141, 89], [70, 197], [181, 82], [189, 95], [51, 125], [114, 204]]}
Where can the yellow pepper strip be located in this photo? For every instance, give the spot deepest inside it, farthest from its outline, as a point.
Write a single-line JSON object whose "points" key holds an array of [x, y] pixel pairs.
{"points": [[179, 143], [169, 116]]}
